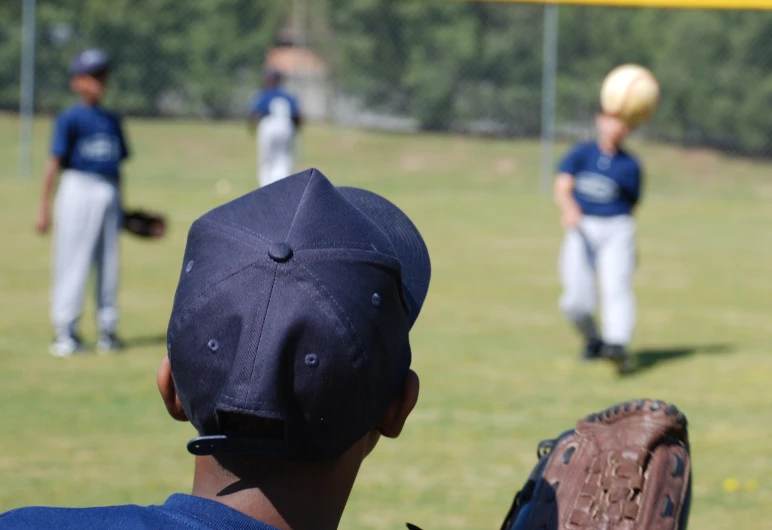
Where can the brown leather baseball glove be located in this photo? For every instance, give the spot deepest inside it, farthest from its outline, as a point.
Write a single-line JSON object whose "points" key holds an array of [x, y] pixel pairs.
{"points": [[144, 224], [626, 468]]}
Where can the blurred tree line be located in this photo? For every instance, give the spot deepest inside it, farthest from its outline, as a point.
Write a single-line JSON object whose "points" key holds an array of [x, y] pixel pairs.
{"points": [[174, 57], [476, 65], [471, 67]]}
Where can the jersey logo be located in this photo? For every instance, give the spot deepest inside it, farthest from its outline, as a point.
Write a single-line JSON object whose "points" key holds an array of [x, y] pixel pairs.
{"points": [[604, 163], [100, 148], [596, 188]]}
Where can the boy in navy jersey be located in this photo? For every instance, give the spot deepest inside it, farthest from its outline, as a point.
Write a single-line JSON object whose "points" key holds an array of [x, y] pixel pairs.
{"points": [[288, 349], [275, 114], [87, 148], [597, 191]]}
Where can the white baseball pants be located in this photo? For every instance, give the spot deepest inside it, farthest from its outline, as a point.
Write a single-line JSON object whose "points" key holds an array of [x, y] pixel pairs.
{"points": [[601, 251], [87, 222], [275, 149]]}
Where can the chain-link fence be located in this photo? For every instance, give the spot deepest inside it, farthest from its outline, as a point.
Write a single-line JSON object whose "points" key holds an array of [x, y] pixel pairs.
{"points": [[477, 67], [469, 67]]}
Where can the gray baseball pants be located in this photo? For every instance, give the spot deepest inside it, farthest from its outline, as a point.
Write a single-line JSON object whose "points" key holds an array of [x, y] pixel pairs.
{"points": [[601, 252], [87, 221]]}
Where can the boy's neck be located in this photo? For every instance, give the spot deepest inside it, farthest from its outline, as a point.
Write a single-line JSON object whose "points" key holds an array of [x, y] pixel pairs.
{"points": [[289, 501], [607, 146], [87, 103]]}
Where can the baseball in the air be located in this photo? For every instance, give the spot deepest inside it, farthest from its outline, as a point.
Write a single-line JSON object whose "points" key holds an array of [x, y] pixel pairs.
{"points": [[223, 186], [631, 93]]}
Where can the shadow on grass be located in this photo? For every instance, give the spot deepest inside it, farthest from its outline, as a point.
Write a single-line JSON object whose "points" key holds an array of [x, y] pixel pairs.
{"points": [[649, 357], [145, 340]]}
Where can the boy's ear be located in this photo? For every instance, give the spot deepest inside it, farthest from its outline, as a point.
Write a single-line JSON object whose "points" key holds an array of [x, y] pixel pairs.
{"points": [[393, 420], [168, 392]]}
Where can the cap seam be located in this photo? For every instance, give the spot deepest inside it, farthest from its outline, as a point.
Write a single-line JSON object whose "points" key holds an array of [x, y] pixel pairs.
{"points": [[395, 267], [186, 311], [353, 245], [302, 196], [375, 258], [207, 287], [361, 211], [248, 409], [367, 249], [262, 326], [240, 228], [320, 290], [350, 325]]}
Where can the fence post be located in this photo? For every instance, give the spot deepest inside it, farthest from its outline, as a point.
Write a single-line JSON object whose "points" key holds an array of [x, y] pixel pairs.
{"points": [[548, 95], [27, 90]]}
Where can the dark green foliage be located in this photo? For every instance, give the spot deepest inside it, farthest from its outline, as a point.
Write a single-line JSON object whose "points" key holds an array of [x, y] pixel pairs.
{"points": [[460, 66], [447, 63], [173, 57], [10, 49], [453, 64]]}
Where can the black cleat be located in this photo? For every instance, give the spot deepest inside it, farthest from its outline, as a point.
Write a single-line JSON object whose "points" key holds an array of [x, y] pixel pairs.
{"points": [[619, 356], [109, 343], [592, 350]]}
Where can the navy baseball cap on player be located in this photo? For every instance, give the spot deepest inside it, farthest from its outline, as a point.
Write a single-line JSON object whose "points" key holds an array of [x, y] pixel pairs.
{"points": [[294, 305], [89, 62], [273, 74]]}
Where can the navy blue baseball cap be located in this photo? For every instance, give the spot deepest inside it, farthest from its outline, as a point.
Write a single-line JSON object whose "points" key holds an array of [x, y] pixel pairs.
{"points": [[294, 305], [89, 62], [272, 74]]}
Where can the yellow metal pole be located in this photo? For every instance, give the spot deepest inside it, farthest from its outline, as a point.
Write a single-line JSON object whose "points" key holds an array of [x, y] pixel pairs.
{"points": [[682, 4]]}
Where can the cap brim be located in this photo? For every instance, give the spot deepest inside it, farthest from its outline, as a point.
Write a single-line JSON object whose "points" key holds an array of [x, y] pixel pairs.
{"points": [[90, 71], [406, 239], [272, 73]]}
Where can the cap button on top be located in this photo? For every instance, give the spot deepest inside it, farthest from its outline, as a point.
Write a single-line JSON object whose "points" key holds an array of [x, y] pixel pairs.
{"points": [[280, 252]]}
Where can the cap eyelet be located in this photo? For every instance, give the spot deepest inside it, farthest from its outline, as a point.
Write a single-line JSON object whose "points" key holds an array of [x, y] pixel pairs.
{"points": [[312, 360], [213, 345], [376, 299], [189, 266], [279, 252]]}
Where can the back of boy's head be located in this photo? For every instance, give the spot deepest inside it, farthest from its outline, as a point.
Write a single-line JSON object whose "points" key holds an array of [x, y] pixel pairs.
{"points": [[289, 332]]}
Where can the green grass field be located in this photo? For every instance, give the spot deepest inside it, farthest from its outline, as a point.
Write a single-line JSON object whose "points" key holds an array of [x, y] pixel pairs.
{"points": [[498, 365]]}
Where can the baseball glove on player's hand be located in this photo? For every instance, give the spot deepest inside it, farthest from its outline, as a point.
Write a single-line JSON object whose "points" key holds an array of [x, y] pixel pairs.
{"points": [[626, 468], [144, 224]]}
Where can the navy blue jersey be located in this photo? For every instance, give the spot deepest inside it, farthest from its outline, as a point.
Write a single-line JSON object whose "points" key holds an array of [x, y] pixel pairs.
{"points": [[179, 511], [89, 139], [274, 101], [603, 185]]}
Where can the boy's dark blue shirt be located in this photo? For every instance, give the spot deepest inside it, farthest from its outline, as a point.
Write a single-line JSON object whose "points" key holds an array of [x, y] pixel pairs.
{"points": [[604, 185], [179, 511], [262, 101], [89, 139]]}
